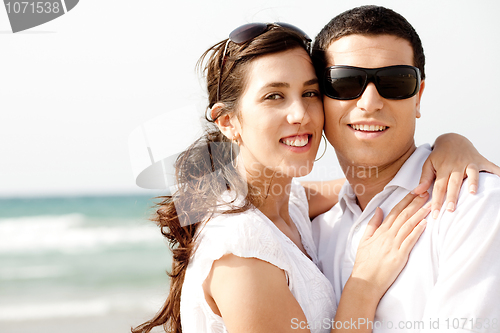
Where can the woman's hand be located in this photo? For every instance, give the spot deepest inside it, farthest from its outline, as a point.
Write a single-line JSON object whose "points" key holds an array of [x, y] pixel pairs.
{"points": [[382, 254], [384, 248], [452, 160]]}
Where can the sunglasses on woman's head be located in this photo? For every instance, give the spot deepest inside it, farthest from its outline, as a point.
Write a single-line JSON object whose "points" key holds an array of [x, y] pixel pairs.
{"points": [[249, 31], [392, 82]]}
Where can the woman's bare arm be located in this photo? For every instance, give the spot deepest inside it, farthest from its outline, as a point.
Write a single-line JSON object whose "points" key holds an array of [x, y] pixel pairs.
{"points": [[322, 195], [252, 296]]}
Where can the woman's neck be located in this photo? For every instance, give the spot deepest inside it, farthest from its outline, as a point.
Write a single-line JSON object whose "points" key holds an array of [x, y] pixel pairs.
{"points": [[275, 191]]}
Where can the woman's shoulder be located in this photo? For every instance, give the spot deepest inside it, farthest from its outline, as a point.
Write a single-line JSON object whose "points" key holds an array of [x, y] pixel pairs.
{"points": [[233, 224], [241, 228], [246, 234]]}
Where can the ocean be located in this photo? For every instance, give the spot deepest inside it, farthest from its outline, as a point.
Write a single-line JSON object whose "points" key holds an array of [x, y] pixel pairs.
{"points": [[80, 264]]}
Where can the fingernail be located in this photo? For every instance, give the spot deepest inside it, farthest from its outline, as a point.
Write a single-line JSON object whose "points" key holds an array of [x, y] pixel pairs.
{"points": [[423, 222], [413, 192], [423, 194], [435, 213], [473, 189], [450, 207], [428, 205]]}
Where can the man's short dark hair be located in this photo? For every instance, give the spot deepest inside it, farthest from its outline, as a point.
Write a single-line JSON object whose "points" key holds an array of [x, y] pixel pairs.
{"points": [[368, 21]]}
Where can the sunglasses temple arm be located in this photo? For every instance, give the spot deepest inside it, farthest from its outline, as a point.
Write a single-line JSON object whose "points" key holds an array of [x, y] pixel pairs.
{"points": [[223, 61]]}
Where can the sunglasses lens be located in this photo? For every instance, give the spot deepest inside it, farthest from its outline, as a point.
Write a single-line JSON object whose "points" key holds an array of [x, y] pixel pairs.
{"points": [[397, 82], [247, 32], [344, 83], [295, 29]]}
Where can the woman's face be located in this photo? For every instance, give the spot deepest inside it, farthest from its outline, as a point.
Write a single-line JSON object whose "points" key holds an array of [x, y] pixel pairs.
{"points": [[281, 115]]}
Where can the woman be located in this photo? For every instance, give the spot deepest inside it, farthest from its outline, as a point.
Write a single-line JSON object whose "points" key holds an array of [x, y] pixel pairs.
{"points": [[243, 256]]}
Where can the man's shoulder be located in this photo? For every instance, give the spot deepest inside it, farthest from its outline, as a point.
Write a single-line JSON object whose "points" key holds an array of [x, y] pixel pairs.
{"points": [[488, 184], [474, 208]]}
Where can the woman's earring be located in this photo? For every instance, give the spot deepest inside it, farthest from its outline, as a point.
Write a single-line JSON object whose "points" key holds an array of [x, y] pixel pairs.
{"points": [[323, 136], [232, 159]]}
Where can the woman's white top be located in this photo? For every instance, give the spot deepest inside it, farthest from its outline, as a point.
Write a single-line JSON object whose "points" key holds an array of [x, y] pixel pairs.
{"points": [[252, 235]]}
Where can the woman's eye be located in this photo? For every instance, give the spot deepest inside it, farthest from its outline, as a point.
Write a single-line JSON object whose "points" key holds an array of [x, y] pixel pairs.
{"points": [[274, 96], [311, 94]]}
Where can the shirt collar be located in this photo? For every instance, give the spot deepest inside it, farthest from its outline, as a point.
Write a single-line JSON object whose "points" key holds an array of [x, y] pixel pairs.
{"points": [[408, 176]]}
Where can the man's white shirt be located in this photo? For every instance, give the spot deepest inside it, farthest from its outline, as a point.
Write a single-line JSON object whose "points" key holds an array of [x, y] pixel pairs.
{"points": [[452, 279]]}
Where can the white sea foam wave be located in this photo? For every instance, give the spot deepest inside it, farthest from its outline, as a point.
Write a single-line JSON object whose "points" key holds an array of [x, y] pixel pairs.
{"points": [[67, 233], [31, 272], [40, 223], [77, 308], [54, 310]]}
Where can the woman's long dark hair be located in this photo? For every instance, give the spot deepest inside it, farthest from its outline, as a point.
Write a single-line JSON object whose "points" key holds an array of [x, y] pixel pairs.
{"points": [[205, 170]]}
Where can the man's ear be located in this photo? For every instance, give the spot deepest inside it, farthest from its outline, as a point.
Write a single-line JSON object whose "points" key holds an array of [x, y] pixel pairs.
{"points": [[419, 97], [227, 123]]}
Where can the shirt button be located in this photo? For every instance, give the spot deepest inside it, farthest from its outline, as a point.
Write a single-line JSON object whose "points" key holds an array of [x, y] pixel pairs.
{"points": [[356, 228]]}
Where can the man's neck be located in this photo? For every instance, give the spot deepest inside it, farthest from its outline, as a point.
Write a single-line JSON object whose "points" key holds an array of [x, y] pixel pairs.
{"points": [[367, 182]]}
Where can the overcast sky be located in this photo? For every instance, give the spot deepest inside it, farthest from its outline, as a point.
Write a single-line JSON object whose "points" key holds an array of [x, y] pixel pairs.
{"points": [[72, 90]]}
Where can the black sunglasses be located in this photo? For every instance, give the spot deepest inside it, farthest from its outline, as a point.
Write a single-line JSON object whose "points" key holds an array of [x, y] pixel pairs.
{"points": [[249, 31], [392, 82]]}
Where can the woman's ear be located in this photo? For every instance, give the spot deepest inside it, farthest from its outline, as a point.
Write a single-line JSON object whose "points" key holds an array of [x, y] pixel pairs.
{"points": [[227, 123], [216, 110]]}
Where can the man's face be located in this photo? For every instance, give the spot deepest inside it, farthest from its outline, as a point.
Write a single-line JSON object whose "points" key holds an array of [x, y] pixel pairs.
{"points": [[359, 146]]}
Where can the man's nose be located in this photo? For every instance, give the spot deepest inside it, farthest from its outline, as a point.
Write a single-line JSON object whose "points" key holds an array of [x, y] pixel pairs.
{"points": [[370, 100]]}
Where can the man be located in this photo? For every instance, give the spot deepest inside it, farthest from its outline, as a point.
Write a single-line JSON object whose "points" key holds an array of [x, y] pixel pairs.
{"points": [[452, 278]]}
